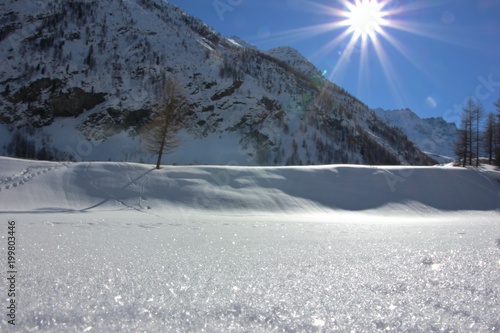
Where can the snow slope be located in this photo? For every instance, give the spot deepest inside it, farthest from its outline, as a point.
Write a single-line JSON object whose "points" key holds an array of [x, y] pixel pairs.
{"points": [[46, 186], [293, 58], [434, 136], [121, 247]]}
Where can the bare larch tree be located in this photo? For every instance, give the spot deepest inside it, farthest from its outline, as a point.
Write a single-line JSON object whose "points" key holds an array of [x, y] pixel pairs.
{"points": [[159, 136], [490, 136]]}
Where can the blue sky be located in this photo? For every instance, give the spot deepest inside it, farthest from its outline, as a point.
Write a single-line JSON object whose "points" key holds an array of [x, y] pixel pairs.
{"points": [[428, 55]]}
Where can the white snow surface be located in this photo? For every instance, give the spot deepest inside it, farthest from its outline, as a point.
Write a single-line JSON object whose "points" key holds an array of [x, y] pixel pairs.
{"points": [[122, 247]]}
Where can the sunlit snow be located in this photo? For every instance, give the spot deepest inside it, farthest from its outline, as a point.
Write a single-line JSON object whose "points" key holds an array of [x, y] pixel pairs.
{"points": [[119, 247]]}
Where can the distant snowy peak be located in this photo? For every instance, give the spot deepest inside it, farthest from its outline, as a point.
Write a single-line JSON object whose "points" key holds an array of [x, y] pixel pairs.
{"points": [[403, 116], [435, 136], [237, 41], [293, 58]]}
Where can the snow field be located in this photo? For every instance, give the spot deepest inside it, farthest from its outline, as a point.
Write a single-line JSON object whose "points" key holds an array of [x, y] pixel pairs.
{"points": [[120, 247], [128, 272]]}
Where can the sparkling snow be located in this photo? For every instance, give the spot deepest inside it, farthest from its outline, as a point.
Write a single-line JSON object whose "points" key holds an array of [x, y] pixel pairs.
{"points": [[100, 251]]}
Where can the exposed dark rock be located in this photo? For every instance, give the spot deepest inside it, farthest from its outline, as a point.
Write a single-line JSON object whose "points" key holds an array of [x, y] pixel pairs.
{"points": [[73, 36], [208, 108], [75, 102], [5, 31], [33, 91], [270, 104], [209, 85], [227, 92]]}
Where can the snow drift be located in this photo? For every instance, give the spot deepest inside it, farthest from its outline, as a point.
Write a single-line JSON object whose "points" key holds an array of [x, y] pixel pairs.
{"points": [[122, 247], [33, 186]]}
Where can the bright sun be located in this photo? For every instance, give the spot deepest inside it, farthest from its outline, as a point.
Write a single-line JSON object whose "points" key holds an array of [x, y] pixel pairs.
{"points": [[365, 18], [364, 30]]}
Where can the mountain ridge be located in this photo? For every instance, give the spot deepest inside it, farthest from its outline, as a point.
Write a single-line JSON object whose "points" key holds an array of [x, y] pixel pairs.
{"points": [[433, 135], [82, 78]]}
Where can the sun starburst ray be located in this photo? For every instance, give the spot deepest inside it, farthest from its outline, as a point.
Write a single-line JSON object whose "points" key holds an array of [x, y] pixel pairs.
{"points": [[434, 32], [401, 49], [345, 56], [390, 72], [330, 46], [363, 63], [371, 26], [409, 56], [369, 30], [303, 33]]}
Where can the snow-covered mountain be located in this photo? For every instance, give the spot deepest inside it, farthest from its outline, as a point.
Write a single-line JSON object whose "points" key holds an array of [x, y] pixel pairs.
{"points": [[80, 78], [434, 136], [293, 58], [240, 42]]}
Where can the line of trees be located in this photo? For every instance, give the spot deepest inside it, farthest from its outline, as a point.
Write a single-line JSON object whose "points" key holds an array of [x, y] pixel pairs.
{"points": [[474, 139]]}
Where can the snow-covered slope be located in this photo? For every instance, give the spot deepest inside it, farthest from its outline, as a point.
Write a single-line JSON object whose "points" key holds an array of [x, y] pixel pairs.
{"points": [[81, 77], [51, 187], [240, 42], [122, 247], [434, 136], [296, 60]]}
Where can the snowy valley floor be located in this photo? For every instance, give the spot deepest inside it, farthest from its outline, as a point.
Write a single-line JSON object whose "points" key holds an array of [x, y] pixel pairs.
{"points": [[115, 247]]}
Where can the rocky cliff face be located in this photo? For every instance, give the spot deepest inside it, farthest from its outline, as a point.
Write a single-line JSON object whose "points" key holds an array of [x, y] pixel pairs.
{"points": [[81, 77]]}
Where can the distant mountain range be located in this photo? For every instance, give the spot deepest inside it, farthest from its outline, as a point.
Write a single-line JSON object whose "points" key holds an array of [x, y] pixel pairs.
{"points": [[79, 78], [434, 136]]}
